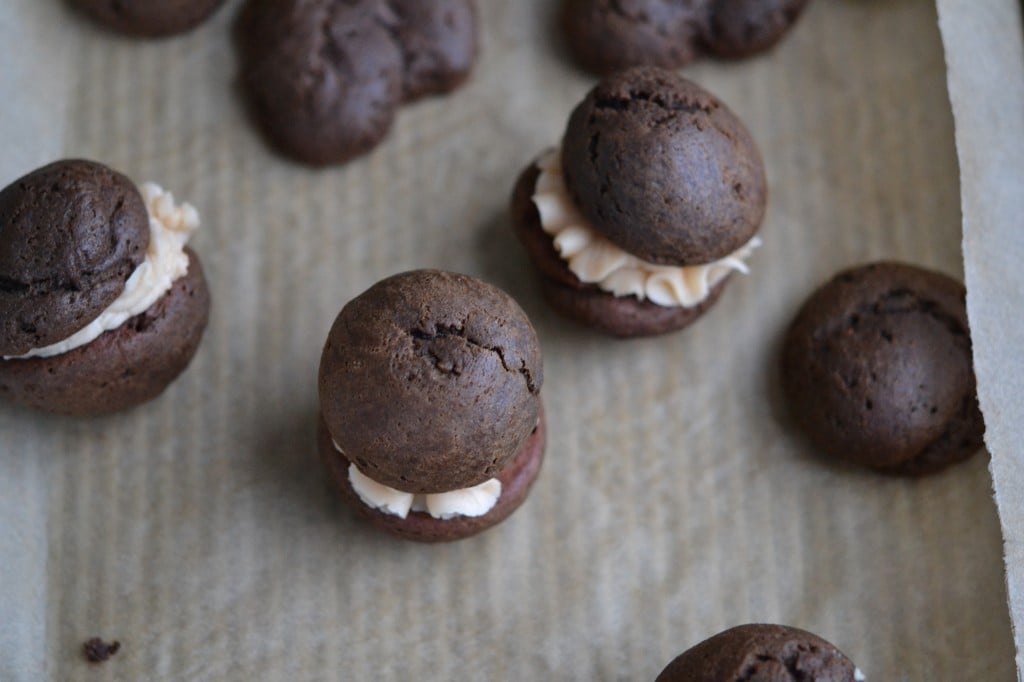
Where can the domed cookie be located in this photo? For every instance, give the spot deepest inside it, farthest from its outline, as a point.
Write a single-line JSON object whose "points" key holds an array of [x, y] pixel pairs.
{"points": [[152, 18], [652, 203], [430, 396], [610, 35], [762, 653], [102, 305], [877, 370], [324, 78]]}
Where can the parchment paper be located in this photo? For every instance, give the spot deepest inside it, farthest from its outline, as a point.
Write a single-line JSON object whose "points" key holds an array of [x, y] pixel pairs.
{"points": [[985, 59], [676, 499]]}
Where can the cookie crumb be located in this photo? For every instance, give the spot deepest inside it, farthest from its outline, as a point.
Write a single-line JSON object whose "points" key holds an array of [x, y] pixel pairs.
{"points": [[98, 651]]}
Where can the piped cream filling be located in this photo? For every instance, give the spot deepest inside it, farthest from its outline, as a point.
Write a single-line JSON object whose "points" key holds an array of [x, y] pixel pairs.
{"points": [[596, 260], [475, 501], [170, 227]]}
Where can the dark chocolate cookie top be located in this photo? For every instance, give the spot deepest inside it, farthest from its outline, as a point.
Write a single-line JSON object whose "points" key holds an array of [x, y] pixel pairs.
{"points": [[663, 169], [324, 78], [761, 653], [877, 369], [71, 233], [430, 381], [151, 18], [610, 35]]}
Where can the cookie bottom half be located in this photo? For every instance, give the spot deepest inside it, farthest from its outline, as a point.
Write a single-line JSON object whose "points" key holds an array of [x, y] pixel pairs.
{"points": [[516, 480], [123, 367]]}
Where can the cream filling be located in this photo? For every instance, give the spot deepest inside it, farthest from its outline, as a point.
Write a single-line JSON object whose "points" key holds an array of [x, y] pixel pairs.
{"points": [[475, 501], [170, 227], [858, 675], [596, 260]]}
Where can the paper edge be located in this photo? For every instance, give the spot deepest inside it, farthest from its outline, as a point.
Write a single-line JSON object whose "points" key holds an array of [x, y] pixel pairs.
{"points": [[1000, 21]]}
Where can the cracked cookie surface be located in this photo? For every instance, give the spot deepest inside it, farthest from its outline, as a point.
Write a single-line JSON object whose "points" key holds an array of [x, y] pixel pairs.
{"points": [[762, 653], [664, 169], [324, 78], [430, 381], [71, 234], [610, 35], [877, 369]]}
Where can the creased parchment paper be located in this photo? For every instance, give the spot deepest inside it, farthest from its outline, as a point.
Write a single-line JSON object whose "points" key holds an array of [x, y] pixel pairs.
{"points": [[985, 57], [676, 499]]}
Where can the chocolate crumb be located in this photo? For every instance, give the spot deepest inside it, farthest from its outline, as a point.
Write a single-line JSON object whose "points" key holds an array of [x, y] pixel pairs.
{"points": [[98, 651]]}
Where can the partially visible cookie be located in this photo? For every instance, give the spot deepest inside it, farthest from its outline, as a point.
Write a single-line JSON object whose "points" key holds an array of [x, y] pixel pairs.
{"points": [[152, 18], [762, 653], [102, 304], [877, 370], [324, 78], [610, 35]]}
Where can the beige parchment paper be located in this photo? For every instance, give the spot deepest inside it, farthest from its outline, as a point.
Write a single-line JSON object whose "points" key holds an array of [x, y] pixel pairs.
{"points": [[985, 58], [676, 500]]}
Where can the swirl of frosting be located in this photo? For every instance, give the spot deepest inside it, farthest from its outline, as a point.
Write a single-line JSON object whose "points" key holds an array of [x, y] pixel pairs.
{"points": [[475, 501], [596, 260], [170, 227]]}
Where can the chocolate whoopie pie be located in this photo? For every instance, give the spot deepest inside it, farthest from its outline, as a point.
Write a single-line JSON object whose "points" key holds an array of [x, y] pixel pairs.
{"points": [[432, 425], [324, 78], [609, 35], [762, 653], [877, 370], [101, 303], [150, 18], [653, 200]]}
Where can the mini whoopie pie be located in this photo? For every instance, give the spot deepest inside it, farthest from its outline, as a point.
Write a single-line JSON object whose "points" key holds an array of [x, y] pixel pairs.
{"points": [[150, 18], [101, 303], [609, 35], [762, 653], [652, 201], [324, 78], [432, 425], [877, 370]]}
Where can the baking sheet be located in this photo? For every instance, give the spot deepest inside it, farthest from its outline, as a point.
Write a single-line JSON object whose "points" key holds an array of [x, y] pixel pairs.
{"points": [[676, 500]]}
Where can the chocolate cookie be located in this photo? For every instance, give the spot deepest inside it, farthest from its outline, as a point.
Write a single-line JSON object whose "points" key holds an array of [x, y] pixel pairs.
{"points": [[654, 199], [152, 18], [762, 653], [71, 233], [877, 370], [324, 78], [609, 35], [96, 315], [663, 169], [430, 383]]}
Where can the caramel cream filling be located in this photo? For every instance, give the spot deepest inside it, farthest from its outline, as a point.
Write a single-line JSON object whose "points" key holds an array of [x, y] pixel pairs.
{"points": [[596, 260], [475, 501]]}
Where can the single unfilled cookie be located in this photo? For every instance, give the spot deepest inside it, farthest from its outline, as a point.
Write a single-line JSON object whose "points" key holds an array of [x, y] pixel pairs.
{"points": [[324, 78], [610, 35], [762, 653], [153, 18], [430, 383], [877, 369], [96, 316], [654, 198]]}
